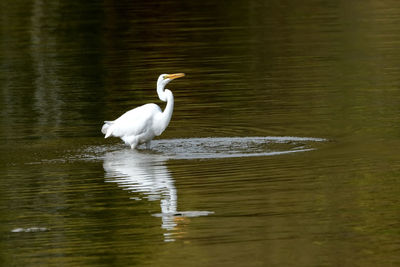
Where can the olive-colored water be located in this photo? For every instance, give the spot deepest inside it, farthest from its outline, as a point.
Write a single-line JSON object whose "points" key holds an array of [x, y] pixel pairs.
{"points": [[283, 149]]}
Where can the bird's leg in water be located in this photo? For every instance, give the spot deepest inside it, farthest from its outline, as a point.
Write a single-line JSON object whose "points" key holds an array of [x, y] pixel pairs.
{"points": [[133, 144], [148, 144]]}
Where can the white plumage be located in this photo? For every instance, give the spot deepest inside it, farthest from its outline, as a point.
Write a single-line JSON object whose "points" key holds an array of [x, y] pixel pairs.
{"points": [[142, 124]]}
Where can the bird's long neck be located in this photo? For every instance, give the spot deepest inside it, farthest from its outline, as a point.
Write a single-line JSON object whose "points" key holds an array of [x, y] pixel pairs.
{"points": [[166, 96], [160, 91], [167, 113]]}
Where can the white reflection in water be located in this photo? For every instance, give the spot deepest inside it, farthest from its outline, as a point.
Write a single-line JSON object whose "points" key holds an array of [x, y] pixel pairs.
{"points": [[29, 229], [147, 175]]}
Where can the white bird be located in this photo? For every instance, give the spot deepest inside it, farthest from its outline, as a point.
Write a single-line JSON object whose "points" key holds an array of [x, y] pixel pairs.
{"points": [[140, 125]]}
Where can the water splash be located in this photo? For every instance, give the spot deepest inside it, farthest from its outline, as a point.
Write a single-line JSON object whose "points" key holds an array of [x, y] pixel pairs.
{"points": [[215, 147]]}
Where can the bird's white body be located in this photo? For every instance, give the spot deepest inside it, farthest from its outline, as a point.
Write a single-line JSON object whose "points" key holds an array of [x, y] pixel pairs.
{"points": [[142, 124], [136, 126]]}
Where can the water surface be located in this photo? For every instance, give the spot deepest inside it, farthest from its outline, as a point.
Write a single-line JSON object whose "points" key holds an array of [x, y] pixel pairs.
{"points": [[282, 149]]}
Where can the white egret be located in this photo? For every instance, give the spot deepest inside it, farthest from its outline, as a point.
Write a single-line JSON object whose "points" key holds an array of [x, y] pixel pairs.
{"points": [[140, 125]]}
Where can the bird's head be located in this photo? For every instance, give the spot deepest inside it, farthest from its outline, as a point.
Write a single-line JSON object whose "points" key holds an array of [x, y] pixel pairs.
{"points": [[166, 78]]}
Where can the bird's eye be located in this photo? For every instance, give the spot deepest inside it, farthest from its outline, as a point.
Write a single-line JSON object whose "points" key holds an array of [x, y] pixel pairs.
{"points": [[165, 77]]}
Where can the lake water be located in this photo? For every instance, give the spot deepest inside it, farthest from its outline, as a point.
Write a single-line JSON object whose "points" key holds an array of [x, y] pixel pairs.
{"points": [[283, 149]]}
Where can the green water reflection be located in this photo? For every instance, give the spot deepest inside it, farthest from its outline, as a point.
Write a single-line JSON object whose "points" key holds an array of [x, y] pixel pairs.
{"points": [[318, 69]]}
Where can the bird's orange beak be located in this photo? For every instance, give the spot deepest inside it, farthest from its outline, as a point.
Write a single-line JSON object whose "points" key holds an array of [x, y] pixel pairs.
{"points": [[174, 76]]}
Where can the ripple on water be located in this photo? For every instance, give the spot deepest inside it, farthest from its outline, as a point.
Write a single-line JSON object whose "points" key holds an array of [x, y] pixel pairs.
{"points": [[29, 230], [145, 174], [217, 147]]}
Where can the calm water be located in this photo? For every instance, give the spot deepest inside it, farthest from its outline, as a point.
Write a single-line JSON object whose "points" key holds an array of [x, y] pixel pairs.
{"points": [[283, 149]]}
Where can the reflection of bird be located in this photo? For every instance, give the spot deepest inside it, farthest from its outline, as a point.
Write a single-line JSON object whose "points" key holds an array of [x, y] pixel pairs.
{"points": [[142, 124], [146, 175]]}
